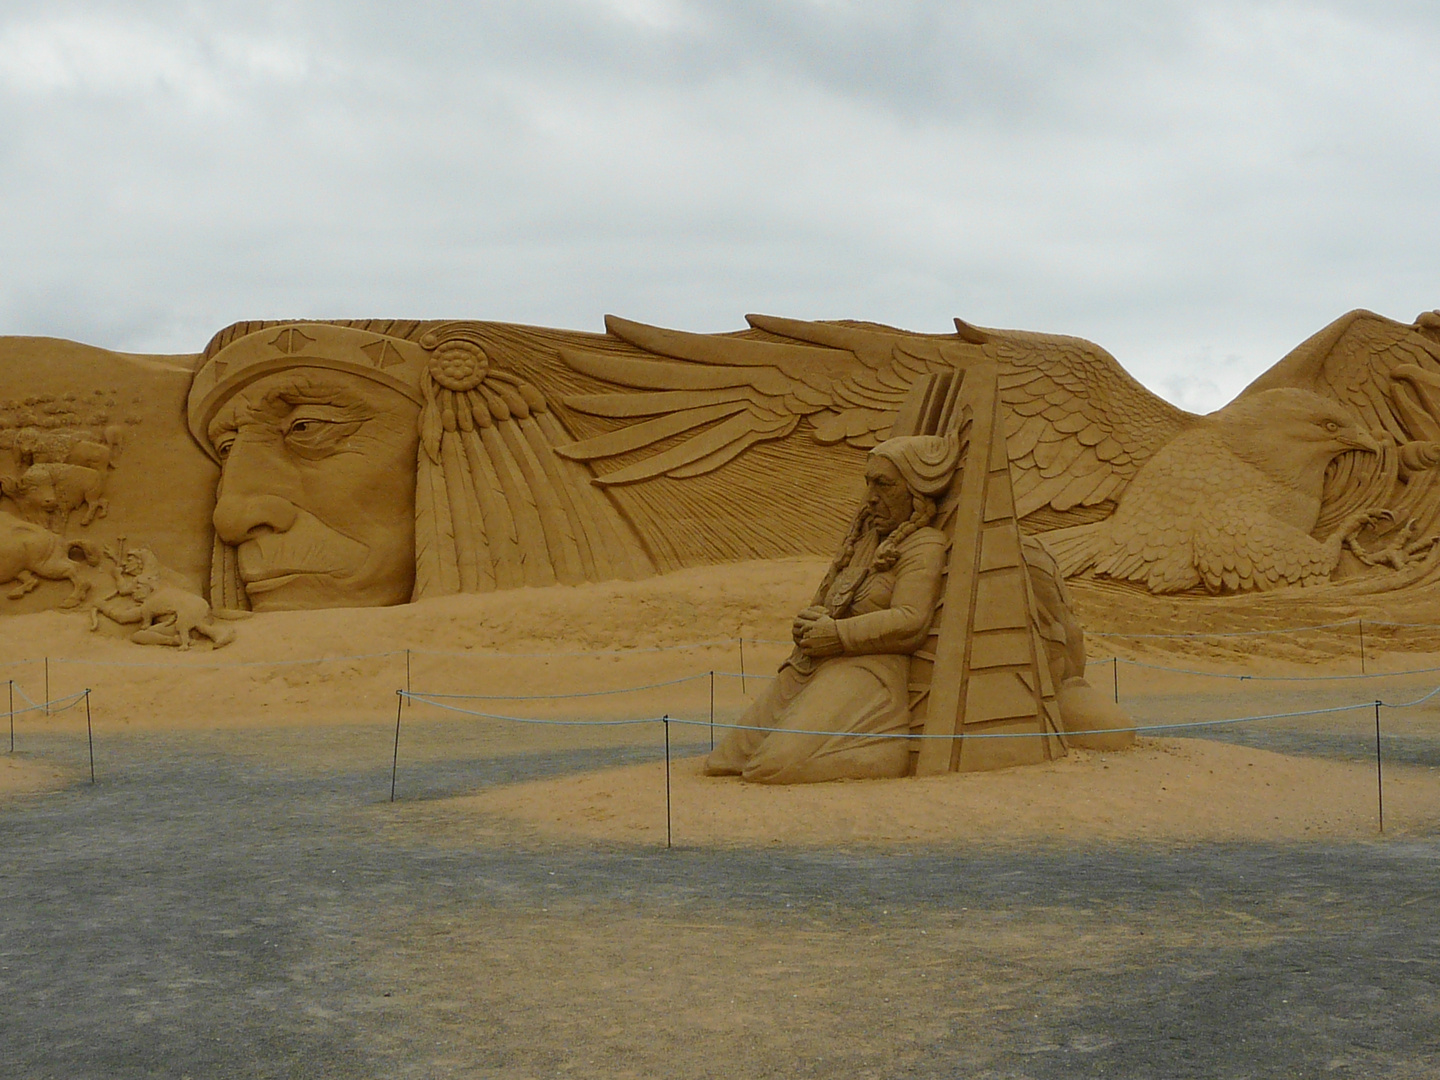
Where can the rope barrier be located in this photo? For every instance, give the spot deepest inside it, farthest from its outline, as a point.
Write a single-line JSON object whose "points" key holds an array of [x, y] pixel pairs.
{"points": [[580, 694], [1266, 678], [640, 650], [581, 652], [54, 705], [716, 673], [1045, 734], [1410, 704], [425, 698]]}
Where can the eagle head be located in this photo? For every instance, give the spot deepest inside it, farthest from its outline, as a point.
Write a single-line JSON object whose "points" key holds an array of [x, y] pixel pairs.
{"points": [[1292, 435]]}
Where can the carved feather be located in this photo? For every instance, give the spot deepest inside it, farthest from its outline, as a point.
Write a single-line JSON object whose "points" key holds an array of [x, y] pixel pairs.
{"points": [[694, 450]]}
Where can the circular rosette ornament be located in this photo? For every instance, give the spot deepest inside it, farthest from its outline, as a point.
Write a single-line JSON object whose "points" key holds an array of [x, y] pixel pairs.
{"points": [[459, 365]]}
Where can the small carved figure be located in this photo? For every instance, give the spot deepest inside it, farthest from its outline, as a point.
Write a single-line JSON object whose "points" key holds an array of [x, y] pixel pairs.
{"points": [[49, 492], [146, 593], [853, 644], [175, 609], [1091, 720], [29, 552], [1399, 553], [41, 447], [99, 456]]}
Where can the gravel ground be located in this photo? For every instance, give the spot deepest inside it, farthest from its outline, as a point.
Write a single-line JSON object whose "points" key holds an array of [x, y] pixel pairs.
{"points": [[231, 905]]}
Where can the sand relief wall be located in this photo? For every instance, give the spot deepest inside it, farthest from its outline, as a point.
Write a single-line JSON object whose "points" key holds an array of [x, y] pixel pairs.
{"points": [[89, 454], [380, 461], [940, 640]]}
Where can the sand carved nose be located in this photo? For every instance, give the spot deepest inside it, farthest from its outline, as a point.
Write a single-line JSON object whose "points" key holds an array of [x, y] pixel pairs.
{"points": [[241, 517]]}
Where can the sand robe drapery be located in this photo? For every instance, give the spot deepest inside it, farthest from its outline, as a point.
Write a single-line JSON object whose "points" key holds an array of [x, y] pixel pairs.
{"points": [[861, 693]]}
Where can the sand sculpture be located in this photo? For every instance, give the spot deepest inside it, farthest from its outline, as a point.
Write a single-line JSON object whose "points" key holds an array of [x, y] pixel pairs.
{"points": [[30, 552], [142, 591], [300, 464], [939, 637]]}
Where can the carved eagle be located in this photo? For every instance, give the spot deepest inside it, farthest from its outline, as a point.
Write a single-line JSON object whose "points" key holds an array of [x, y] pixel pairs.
{"points": [[1092, 451]]}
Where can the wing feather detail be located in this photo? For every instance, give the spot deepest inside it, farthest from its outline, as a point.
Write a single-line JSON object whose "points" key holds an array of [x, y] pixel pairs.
{"points": [[660, 375], [713, 442], [665, 401], [1078, 427], [1085, 426], [625, 439]]}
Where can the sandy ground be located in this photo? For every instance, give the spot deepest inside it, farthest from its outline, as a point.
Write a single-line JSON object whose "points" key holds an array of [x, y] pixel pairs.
{"points": [[20, 777], [533, 639], [1171, 790], [545, 642], [237, 897]]}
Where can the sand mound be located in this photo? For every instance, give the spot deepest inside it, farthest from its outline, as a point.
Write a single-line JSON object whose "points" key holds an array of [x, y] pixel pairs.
{"points": [[1167, 790]]}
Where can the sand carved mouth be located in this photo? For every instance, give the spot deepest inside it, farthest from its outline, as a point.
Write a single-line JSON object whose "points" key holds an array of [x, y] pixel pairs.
{"points": [[309, 549], [280, 580]]}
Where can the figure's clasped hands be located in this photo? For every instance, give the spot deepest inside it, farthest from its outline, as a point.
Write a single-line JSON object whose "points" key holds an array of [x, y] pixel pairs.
{"points": [[816, 634], [804, 621]]}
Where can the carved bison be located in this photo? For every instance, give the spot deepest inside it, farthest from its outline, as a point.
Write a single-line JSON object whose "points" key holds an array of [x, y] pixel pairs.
{"points": [[47, 493], [29, 552]]}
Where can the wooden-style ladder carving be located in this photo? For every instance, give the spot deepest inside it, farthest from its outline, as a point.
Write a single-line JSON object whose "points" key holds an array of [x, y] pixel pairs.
{"points": [[982, 671]]}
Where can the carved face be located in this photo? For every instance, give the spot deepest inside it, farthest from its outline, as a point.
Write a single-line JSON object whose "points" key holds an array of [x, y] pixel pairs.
{"points": [[317, 490], [886, 495]]}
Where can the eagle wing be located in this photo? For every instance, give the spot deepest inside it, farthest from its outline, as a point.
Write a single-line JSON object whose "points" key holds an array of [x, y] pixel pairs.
{"points": [[1375, 366], [696, 401], [1078, 425]]}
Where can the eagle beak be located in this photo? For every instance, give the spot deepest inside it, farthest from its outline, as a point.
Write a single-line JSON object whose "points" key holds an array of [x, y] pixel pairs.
{"points": [[1360, 440]]}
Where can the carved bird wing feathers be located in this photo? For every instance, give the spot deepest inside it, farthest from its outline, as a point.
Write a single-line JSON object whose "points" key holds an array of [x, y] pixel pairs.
{"points": [[724, 393], [1386, 371], [1078, 426]]}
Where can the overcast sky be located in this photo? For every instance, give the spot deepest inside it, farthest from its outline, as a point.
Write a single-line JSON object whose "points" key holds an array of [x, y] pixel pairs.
{"points": [[1196, 186]]}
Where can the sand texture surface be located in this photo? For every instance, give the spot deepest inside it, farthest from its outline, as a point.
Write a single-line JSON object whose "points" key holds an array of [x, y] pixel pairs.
{"points": [[1179, 790], [20, 777], [1301, 778]]}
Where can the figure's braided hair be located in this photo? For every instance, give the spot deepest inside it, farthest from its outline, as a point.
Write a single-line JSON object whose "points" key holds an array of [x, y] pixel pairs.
{"points": [[846, 552], [886, 555]]}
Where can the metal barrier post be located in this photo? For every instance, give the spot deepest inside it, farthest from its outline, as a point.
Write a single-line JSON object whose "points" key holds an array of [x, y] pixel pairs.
{"points": [[712, 712], [90, 735], [47, 686], [1115, 671], [1379, 786], [12, 716], [666, 721], [395, 758], [742, 665], [1361, 623]]}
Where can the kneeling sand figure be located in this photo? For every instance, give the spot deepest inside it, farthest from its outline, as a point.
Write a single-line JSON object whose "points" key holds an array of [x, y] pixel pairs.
{"points": [[851, 663]]}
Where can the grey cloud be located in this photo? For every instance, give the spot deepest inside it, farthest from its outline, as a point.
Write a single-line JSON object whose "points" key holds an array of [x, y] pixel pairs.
{"points": [[1195, 186]]}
